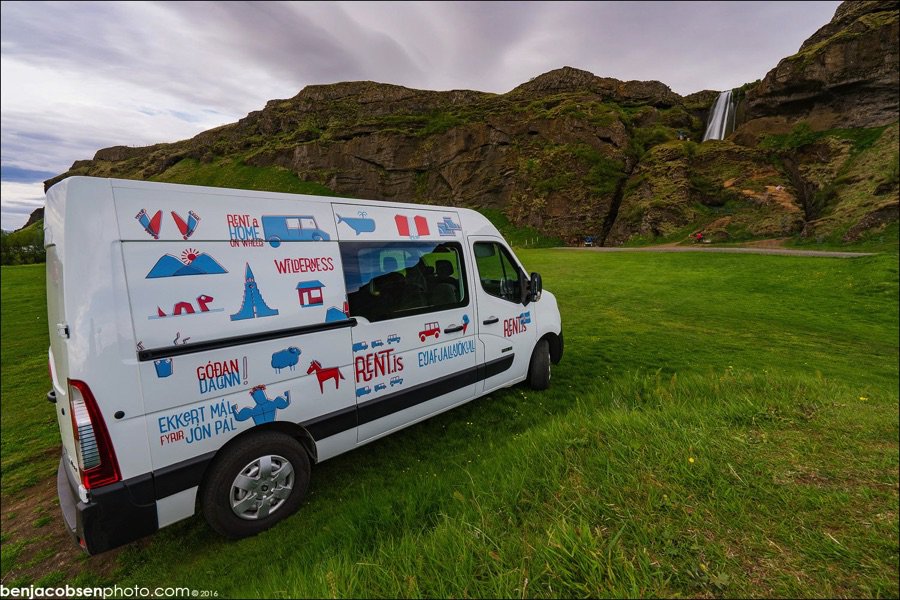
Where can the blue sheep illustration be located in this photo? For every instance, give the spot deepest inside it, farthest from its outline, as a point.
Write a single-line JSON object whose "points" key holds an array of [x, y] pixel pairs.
{"points": [[287, 358]]}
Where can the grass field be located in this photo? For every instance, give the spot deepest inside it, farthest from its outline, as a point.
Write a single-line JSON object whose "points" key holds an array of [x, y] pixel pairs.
{"points": [[721, 425]]}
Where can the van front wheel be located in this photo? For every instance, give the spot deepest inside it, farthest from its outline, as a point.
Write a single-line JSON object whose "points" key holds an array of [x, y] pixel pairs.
{"points": [[539, 367], [255, 484]]}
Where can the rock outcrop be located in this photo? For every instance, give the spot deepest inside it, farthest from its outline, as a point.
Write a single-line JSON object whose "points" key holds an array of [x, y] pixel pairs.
{"points": [[35, 216], [845, 75]]}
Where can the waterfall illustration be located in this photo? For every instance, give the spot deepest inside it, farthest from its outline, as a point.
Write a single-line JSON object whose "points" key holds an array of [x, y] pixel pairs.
{"points": [[721, 118]]}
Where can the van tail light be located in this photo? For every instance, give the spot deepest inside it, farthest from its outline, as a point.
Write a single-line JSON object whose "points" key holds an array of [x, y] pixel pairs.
{"points": [[96, 458]]}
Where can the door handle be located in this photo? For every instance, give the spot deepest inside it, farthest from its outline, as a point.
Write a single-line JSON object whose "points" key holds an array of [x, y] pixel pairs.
{"points": [[453, 329], [490, 321]]}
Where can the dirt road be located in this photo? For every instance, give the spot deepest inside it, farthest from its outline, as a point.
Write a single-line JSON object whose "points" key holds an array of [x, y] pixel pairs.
{"points": [[728, 250]]}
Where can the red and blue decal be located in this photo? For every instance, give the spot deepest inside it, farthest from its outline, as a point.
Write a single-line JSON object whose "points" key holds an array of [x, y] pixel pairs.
{"points": [[420, 225], [192, 262], [150, 224], [187, 308], [186, 227]]}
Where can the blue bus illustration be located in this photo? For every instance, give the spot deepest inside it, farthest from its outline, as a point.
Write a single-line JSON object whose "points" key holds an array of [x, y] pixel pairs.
{"points": [[292, 228]]}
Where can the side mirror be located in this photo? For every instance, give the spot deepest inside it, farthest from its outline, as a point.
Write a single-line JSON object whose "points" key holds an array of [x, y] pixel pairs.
{"points": [[524, 292], [537, 286]]}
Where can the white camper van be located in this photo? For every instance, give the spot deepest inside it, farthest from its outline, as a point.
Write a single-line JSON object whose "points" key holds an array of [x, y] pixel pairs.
{"points": [[207, 345]]}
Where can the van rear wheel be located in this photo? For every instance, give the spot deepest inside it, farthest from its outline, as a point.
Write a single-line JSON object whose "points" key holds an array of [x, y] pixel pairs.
{"points": [[539, 367], [255, 484]]}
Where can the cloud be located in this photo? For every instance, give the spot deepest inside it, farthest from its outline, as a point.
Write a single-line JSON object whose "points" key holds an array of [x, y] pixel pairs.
{"points": [[19, 201]]}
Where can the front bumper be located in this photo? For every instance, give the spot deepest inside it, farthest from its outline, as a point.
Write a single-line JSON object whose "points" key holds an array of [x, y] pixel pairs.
{"points": [[116, 514]]}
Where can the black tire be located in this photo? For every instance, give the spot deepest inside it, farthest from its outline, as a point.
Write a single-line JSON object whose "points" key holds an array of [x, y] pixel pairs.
{"points": [[539, 367], [216, 492]]}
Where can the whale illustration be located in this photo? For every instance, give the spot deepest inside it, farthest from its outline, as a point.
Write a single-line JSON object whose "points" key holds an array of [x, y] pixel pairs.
{"points": [[358, 224]]}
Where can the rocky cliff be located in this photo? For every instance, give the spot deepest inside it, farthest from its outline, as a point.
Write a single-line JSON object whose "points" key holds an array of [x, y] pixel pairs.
{"points": [[550, 153], [574, 154], [844, 75], [36, 216]]}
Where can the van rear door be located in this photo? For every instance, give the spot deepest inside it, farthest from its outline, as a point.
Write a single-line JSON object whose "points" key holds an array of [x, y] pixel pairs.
{"points": [[57, 354]]}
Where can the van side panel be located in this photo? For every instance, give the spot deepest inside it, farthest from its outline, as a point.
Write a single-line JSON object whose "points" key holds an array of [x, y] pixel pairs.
{"points": [[238, 313]]}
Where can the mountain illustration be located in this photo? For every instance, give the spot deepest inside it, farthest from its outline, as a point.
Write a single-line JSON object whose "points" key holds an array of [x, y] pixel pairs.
{"points": [[170, 266]]}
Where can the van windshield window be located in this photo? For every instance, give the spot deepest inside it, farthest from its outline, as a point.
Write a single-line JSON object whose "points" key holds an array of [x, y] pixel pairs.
{"points": [[387, 280]]}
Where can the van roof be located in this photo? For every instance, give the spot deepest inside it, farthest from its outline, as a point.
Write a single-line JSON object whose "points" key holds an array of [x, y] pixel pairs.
{"points": [[219, 191], [474, 223]]}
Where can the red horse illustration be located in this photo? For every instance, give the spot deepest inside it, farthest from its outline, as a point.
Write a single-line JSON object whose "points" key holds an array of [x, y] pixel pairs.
{"points": [[324, 375]]}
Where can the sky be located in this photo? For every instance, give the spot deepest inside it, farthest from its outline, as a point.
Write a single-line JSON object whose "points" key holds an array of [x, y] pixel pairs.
{"points": [[80, 76]]}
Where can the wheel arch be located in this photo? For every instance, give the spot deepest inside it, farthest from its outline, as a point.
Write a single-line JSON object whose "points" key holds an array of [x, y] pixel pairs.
{"points": [[556, 346], [294, 430]]}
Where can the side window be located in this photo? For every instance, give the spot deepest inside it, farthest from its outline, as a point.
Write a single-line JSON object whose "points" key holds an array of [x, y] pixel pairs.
{"points": [[388, 280], [497, 271]]}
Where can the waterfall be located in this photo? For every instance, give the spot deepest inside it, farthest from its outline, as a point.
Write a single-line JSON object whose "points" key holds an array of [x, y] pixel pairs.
{"points": [[721, 118]]}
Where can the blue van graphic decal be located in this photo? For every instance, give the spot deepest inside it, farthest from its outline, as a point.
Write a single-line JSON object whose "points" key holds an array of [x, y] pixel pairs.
{"points": [[292, 228]]}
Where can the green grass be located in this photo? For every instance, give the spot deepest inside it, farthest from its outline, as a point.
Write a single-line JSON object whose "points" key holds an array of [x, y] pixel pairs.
{"points": [[801, 135], [230, 173], [720, 425], [29, 446]]}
